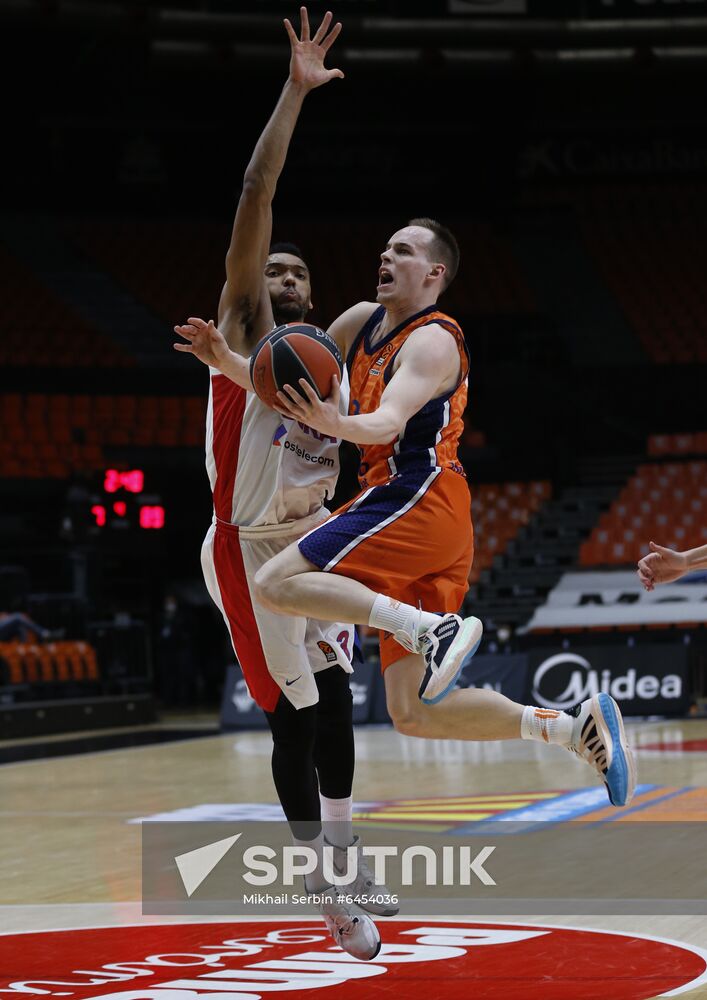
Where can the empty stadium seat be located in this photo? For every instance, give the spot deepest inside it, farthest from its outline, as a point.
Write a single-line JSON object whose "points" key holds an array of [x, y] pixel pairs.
{"points": [[661, 502], [47, 436], [40, 328], [498, 511], [678, 444], [649, 244], [49, 669]]}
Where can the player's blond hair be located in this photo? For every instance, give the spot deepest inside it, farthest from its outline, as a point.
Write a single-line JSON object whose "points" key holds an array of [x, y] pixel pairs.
{"points": [[443, 248]]}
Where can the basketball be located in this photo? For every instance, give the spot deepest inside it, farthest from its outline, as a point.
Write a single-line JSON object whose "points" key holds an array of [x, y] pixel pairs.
{"points": [[291, 352]]}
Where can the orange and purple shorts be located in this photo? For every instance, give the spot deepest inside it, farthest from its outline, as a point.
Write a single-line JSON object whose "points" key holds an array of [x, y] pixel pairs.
{"points": [[410, 538]]}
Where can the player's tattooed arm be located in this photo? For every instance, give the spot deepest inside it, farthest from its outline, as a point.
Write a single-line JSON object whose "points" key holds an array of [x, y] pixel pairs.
{"points": [[206, 342]]}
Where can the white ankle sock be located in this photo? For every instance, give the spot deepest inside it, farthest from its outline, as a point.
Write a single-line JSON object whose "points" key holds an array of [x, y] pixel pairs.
{"points": [[400, 619], [315, 881], [336, 820], [546, 725]]}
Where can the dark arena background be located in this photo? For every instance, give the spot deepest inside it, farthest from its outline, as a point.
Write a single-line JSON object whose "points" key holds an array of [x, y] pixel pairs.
{"points": [[565, 144]]}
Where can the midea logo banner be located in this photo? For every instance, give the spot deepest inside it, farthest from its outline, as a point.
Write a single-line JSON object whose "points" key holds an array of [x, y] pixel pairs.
{"points": [[617, 598], [643, 679]]}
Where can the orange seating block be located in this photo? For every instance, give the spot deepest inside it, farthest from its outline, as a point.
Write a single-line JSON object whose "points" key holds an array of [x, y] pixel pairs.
{"points": [[10, 654]]}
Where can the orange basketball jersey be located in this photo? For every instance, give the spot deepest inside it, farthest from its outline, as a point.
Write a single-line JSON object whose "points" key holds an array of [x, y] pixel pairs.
{"points": [[431, 436], [412, 491]]}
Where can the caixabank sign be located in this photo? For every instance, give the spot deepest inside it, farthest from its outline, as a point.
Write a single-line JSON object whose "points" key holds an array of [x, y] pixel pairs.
{"points": [[644, 680]]}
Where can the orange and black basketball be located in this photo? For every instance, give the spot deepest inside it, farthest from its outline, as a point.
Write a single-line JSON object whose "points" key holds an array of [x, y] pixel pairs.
{"points": [[291, 352]]}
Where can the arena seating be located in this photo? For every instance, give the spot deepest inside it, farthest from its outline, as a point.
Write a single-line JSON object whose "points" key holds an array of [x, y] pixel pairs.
{"points": [[666, 502], [177, 268], [41, 330], [678, 444], [35, 670], [494, 283], [648, 242], [498, 511], [53, 435]]}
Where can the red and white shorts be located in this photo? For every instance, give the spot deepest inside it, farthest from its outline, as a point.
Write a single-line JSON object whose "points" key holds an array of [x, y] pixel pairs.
{"points": [[277, 653]]}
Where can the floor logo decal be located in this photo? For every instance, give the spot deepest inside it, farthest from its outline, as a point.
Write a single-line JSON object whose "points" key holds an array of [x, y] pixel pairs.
{"points": [[424, 958], [471, 813]]}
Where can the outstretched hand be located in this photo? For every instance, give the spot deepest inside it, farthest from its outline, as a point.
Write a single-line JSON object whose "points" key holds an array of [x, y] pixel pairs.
{"points": [[205, 341], [661, 565], [307, 55], [320, 414]]}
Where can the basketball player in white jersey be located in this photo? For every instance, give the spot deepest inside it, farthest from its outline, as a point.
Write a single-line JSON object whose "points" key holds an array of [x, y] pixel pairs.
{"points": [[270, 478]]}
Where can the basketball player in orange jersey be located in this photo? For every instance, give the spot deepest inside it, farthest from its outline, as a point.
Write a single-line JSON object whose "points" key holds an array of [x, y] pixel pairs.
{"points": [[397, 557], [265, 495]]}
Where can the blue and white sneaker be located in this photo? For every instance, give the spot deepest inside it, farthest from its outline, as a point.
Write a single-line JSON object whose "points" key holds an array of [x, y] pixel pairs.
{"points": [[445, 646], [598, 737]]}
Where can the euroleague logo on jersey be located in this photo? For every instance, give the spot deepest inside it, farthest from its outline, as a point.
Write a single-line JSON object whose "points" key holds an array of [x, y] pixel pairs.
{"points": [[381, 360], [252, 959], [328, 651]]}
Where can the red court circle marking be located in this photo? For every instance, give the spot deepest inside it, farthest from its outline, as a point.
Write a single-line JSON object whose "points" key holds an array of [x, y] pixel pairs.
{"points": [[449, 959], [677, 746]]}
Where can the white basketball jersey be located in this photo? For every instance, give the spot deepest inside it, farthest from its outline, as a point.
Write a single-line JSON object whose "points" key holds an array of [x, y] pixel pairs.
{"points": [[265, 468]]}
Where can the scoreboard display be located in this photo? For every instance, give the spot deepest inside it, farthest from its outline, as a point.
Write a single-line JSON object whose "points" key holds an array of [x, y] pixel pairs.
{"points": [[124, 504]]}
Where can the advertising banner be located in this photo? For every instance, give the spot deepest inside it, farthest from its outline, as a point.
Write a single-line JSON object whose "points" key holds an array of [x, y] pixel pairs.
{"points": [[613, 155], [617, 598], [239, 711], [363, 682], [644, 679], [505, 673]]}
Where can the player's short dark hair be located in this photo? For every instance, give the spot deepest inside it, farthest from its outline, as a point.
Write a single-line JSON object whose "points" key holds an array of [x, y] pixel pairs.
{"points": [[290, 248], [444, 246]]}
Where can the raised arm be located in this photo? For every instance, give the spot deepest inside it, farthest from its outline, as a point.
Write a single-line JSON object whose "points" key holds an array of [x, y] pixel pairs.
{"points": [[206, 342], [245, 312]]}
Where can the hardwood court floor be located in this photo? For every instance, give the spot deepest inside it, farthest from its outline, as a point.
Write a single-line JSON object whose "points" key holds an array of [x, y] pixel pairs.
{"points": [[70, 846]]}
